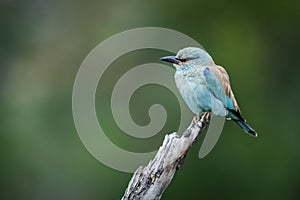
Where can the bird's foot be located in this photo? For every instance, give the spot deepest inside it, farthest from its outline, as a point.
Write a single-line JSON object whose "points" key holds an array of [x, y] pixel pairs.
{"points": [[202, 118], [206, 116]]}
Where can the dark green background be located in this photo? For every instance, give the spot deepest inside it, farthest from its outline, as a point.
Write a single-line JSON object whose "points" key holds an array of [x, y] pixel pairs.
{"points": [[42, 45]]}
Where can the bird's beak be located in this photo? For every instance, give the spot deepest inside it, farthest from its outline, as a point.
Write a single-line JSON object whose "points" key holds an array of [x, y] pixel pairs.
{"points": [[170, 59]]}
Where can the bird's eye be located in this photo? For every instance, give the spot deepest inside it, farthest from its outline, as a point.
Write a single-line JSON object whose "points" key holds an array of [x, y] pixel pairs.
{"points": [[182, 59]]}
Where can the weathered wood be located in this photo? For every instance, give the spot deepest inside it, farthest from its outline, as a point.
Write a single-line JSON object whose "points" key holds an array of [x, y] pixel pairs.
{"points": [[149, 183]]}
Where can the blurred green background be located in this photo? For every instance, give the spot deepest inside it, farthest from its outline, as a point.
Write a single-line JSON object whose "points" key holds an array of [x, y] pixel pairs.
{"points": [[43, 44]]}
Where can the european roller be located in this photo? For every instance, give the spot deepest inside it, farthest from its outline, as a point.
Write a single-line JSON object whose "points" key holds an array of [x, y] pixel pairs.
{"points": [[205, 86]]}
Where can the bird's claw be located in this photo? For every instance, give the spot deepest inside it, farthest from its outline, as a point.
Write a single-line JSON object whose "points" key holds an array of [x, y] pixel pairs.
{"points": [[202, 118], [206, 116]]}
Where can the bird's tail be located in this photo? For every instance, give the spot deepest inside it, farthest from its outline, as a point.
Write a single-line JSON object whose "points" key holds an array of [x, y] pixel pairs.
{"points": [[237, 117], [246, 127]]}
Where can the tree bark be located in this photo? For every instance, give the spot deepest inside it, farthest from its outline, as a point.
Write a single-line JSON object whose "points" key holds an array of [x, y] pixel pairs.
{"points": [[149, 183]]}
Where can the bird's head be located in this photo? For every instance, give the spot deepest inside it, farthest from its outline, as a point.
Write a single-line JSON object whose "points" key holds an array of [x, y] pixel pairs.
{"points": [[189, 56]]}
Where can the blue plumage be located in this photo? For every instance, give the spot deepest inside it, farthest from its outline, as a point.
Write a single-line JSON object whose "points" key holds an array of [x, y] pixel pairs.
{"points": [[205, 86]]}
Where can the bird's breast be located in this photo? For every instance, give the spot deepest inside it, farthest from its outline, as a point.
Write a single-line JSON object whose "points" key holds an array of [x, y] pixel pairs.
{"points": [[187, 85]]}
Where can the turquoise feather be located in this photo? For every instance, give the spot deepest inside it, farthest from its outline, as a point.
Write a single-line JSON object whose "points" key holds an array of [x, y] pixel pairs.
{"points": [[205, 86]]}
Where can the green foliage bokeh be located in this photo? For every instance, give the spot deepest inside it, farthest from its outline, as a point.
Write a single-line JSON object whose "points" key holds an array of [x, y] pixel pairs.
{"points": [[43, 44]]}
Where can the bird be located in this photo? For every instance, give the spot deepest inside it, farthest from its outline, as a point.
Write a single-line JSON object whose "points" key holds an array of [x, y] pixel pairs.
{"points": [[205, 86]]}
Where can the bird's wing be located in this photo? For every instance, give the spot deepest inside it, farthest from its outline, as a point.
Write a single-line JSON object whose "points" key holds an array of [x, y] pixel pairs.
{"points": [[218, 82]]}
